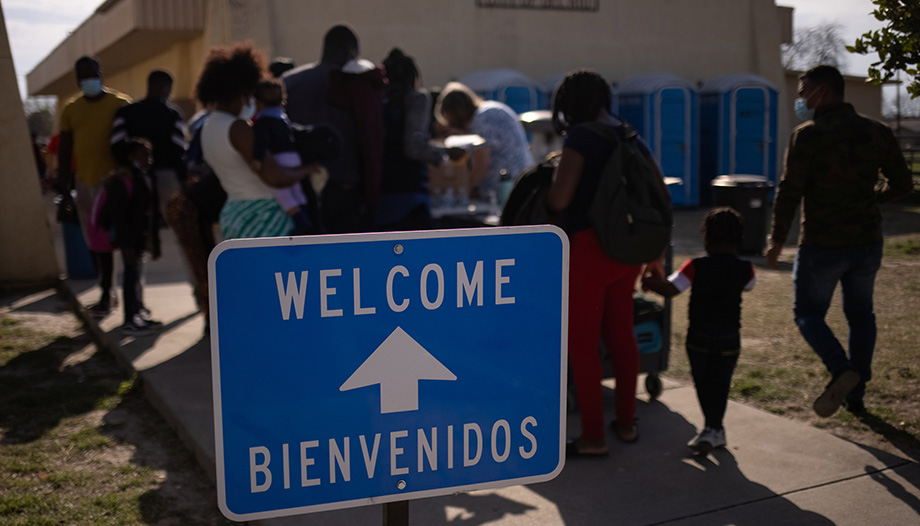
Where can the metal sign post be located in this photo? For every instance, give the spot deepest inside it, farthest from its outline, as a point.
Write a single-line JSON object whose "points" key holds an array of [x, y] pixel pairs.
{"points": [[396, 513]]}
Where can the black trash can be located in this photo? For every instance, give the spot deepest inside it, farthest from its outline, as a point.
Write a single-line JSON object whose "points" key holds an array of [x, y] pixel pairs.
{"points": [[750, 196]]}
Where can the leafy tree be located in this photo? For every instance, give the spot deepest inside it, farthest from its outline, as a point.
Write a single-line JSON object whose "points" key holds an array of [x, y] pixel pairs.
{"points": [[811, 46], [897, 44]]}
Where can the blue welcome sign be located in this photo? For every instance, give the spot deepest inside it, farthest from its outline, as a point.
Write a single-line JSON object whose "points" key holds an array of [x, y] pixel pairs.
{"points": [[369, 368]]}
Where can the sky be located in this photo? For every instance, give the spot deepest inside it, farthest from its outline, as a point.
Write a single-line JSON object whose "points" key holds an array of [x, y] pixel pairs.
{"points": [[853, 16], [36, 27]]}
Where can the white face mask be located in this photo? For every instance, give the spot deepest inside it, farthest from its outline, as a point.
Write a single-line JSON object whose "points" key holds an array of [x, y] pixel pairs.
{"points": [[249, 110]]}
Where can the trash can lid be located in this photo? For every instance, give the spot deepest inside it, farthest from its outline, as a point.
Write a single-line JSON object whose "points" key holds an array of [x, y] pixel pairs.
{"points": [[742, 180]]}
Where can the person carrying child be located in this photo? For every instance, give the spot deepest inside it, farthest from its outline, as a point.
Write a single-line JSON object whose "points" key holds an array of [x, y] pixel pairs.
{"points": [[125, 211], [274, 136], [714, 333]]}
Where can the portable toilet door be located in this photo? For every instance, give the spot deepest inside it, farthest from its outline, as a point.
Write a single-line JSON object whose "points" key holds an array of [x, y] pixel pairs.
{"points": [[664, 110], [739, 126], [518, 91], [521, 99]]}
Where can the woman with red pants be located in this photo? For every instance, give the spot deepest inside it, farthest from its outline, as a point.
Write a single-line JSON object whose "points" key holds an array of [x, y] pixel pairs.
{"points": [[600, 288]]}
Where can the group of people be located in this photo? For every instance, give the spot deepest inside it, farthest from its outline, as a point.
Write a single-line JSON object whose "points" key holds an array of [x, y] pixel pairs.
{"points": [[839, 167], [119, 157], [257, 181]]}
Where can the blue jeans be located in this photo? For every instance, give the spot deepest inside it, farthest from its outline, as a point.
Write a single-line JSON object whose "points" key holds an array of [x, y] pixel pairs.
{"points": [[816, 274]]}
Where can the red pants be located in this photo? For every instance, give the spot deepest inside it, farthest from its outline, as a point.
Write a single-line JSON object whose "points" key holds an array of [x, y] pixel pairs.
{"points": [[601, 305]]}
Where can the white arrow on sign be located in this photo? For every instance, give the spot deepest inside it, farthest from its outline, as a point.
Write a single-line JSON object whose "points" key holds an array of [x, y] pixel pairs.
{"points": [[397, 365]]}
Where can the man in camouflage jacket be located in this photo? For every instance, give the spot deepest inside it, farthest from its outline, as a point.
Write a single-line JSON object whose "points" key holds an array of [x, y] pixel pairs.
{"points": [[834, 162]]}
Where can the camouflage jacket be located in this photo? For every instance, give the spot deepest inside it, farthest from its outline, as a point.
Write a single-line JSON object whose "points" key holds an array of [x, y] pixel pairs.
{"points": [[836, 163]]}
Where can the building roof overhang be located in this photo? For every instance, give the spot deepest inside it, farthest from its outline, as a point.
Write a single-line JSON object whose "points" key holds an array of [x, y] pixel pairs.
{"points": [[120, 33]]}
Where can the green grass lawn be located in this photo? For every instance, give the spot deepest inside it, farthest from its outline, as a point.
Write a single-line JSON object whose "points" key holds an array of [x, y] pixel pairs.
{"points": [[78, 443]]}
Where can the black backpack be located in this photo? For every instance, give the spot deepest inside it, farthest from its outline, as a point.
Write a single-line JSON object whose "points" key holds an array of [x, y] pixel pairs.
{"points": [[631, 210], [526, 204]]}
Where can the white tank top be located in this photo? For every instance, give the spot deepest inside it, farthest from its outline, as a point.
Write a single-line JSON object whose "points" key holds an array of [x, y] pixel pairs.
{"points": [[237, 178]]}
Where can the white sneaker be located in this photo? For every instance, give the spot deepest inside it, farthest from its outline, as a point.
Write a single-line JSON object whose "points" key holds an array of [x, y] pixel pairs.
{"points": [[707, 440], [702, 442]]}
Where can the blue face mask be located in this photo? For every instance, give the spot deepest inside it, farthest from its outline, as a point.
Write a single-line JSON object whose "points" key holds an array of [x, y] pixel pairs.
{"points": [[91, 87], [802, 110]]}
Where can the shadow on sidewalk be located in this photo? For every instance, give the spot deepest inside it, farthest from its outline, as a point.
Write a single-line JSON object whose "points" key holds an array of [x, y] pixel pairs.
{"points": [[659, 481]]}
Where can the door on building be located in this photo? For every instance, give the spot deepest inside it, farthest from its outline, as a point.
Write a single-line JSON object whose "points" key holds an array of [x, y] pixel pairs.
{"points": [[673, 142], [750, 121]]}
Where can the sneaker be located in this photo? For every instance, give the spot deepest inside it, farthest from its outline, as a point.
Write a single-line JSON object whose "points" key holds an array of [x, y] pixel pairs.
{"points": [[707, 440], [835, 393], [137, 327], [702, 443], [145, 315]]}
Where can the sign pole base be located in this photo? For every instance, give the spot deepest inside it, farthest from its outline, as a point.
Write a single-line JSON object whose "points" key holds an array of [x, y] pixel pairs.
{"points": [[396, 513]]}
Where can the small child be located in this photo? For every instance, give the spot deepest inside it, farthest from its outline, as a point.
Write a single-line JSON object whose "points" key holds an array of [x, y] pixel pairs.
{"points": [[127, 214], [274, 136], [714, 334]]}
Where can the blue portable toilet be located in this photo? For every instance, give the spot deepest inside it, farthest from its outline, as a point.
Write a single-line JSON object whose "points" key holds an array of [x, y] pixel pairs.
{"points": [[665, 111], [515, 89], [738, 123]]}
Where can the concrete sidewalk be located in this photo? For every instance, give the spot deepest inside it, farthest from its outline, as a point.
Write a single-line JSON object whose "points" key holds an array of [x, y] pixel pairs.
{"points": [[775, 470]]}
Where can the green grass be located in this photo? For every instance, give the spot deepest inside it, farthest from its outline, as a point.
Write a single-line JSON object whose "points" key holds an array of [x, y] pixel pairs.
{"points": [[63, 460], [47, 458], [895, 249]]}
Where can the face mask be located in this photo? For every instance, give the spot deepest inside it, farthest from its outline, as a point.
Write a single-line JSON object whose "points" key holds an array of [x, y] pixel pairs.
{"points": [[91, 87], [249, 110], [802, 110]]}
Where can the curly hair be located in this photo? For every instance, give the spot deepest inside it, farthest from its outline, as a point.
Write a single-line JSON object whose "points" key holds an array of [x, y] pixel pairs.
{"points": [[580, 98], [723, 226], [230, 72]]}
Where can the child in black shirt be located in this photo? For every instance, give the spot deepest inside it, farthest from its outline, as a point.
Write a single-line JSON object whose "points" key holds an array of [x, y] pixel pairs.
{"points": [[128, 215], [714, 334]]}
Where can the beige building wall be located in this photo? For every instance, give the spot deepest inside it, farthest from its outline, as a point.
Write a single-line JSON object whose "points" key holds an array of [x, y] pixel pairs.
{"points": [[451, 38], [695, 41], [26, 249]]}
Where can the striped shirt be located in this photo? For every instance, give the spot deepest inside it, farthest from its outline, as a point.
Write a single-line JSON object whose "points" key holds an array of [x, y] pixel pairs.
{"points": [[159, 122]]}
